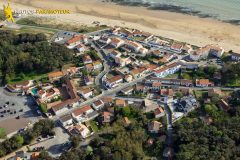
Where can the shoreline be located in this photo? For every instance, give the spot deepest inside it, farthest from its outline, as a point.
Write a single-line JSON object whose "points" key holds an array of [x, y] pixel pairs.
{"points": [[180, 27]]}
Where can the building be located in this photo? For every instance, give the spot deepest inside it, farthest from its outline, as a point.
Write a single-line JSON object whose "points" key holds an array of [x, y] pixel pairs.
{"points": [[116, 42], [60, 108], [81, 114], [86, 92], [182, 82], [154, 127], [127, 91], [55, 76], [235, 56], [19, 87], [114, 81], [106, 117], [104, 40], [80, 129], [158, 112], [204, 52], [128, 77], [66, 120], [97, 65], [98, 105], [224, 105], [81, 47], [165, 71], [108, 101], [45, 96], [120, 102], [76, 40], [87, 59], [134, 46], [177, 47], [166, 92], [88, 80], [203, 83], [89, 67]]}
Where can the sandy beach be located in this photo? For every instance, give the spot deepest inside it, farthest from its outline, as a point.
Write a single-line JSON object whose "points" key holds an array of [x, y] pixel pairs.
{"points": [[186, 28]]}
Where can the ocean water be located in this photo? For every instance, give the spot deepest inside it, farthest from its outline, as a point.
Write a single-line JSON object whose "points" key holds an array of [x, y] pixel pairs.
{"points": [[225, 10]]}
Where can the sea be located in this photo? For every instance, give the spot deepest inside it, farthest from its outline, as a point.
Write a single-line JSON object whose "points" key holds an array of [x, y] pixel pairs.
{"points": [[224, 10]]}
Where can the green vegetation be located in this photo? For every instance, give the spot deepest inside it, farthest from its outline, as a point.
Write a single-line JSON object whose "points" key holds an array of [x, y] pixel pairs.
{"points": [[1, 15], [43, 107], [139, 38], [26, 56], [94, 126], [231, 74], [2, 133], [43, 127], [120, 141], [45, 22]]}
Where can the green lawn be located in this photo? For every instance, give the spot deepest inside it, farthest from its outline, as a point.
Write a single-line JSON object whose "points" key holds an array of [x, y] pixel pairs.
{"points": [[2, 133], [234, 83], [186, 76], [199, 94], [25, 77], [138, 38], [94, 126], [172, 75]]}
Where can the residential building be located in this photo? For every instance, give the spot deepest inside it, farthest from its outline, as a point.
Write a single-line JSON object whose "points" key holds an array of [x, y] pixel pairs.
{"points": [[20, 87], [81, 114], [81, 47], [87, 59], [66, 120], [88, 80], [76, 40], [98, 105], [203, 83], [177, 47], [114, 81], [108, 101], [116, 42], [154, 126], [89, 67], [127, 91], [86, 92], [143, 51], [158, 112], [97, 65], [204, 52], [60, 108], [120, 102], [134, 46], [45, 96], [106, 117], [224, 105], [182, 82], [170, 69], [235, 56], [166, 92], [55, 76], [80, 129], [128, 77], [105, 40]]}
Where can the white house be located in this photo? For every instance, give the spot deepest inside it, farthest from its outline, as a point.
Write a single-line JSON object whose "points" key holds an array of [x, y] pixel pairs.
{"points": [[76, 40], [116, 42], [97, 65], [88, 80], [104, 40], [133, 46], [86, 93], [81, 47], [19, 87], [66, 120], [114, 81], [97, 105], [82, 130], [80, 114], [170, 69]]}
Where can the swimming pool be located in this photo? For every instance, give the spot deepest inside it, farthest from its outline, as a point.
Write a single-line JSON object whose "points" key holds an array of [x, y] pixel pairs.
{"points": [[34, 91]]}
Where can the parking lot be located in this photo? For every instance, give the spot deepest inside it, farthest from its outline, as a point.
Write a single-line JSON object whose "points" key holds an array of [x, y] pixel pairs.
{"points": [[55, 146], [16, 109]]}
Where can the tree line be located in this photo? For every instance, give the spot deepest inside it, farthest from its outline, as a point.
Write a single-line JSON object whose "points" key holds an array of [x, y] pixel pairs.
{"points": [[26, 53]]}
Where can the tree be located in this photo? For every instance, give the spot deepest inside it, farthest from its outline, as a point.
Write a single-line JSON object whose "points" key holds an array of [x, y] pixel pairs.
{"points": [[75, 141], [126, 111], [2, 133], [45, 156], [43, 107], [179, 94]]}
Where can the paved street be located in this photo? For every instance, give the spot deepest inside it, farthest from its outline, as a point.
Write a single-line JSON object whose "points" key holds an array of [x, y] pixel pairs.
{"points": [[54, 145]]}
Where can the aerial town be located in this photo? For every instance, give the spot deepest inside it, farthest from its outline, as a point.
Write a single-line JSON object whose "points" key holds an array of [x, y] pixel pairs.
{"points": [[120, 69]]}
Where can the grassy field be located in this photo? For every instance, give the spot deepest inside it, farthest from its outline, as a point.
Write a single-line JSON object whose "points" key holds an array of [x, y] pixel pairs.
{"points": [[45, 22], [94, 126], [234, 83], [25, 77], [199, 94]]}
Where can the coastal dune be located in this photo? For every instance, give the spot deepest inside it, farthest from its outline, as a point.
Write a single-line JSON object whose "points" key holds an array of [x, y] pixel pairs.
{"points": [[185, 28]]}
